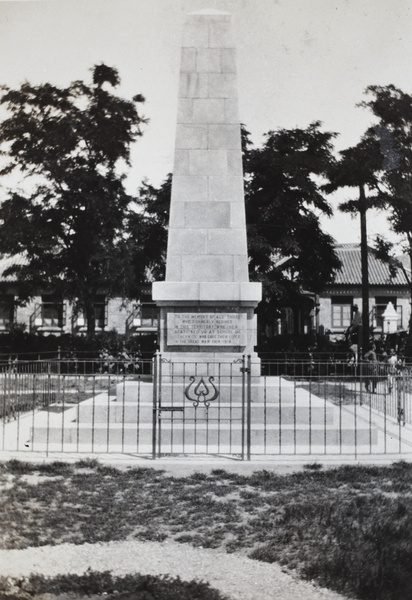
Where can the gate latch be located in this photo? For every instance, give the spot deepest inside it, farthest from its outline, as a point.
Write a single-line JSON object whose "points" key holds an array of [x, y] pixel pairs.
{"points": [[244, 370]]}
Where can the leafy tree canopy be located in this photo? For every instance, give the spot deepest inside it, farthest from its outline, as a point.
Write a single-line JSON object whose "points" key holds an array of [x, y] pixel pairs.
{"points": [[284, 200], [393, 109], [357, 167], [147, 228], [70, 146]]}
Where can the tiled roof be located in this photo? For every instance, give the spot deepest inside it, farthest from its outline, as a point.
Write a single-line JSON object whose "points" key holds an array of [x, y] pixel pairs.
{"points": [[349, 274], [351, 271], [9, 261]]}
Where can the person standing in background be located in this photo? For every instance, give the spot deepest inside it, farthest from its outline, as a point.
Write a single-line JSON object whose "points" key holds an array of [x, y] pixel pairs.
{"points": [[354, 332]]}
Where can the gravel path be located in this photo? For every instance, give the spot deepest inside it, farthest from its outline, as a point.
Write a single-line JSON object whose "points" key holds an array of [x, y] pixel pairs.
{"points": [[239, 577]]}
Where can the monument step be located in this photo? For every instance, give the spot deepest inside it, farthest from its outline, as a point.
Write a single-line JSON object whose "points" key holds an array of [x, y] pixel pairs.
{"points": [[87, 435], [273, 437], [115, 412], [182, 433], [105, 410], [267, 389]]}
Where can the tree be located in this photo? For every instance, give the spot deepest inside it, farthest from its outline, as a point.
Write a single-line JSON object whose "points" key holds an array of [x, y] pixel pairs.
{"points": [[143, 247], [359, 167], [70, 147], [393, 108], [283, 203], [155, 204]]}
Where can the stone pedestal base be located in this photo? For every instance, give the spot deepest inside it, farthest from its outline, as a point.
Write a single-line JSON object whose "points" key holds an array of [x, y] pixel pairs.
{"points": [[207, 322]]}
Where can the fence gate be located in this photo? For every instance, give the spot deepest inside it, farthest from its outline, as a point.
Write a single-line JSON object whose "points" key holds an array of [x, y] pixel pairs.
{"points": [[201, 408]]}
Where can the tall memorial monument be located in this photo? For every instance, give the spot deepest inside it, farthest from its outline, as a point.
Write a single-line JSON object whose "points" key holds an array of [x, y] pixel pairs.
{"points": [[207, 302]]}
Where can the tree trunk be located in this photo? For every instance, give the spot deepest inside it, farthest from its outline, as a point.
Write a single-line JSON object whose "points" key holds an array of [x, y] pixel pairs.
{"points": [[365, 271], [408, 349]]}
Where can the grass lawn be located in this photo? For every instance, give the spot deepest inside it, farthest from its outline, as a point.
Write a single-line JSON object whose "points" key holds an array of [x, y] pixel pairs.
{"points": [[348, 528]]}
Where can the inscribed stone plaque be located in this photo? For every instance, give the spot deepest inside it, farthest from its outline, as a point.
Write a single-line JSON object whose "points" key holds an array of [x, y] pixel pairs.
{"points": [[206, 329]]}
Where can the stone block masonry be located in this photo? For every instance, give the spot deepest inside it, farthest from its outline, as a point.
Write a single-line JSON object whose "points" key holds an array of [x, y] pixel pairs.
{"points": [[207, 239], [207, 260]]}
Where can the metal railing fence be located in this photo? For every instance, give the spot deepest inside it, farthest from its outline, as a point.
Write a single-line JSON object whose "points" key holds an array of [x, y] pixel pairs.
{"points": [[78, 366], [160, 407]]}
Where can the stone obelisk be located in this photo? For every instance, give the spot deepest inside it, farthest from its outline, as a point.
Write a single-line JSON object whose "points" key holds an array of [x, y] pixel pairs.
{"points": [[207, 302]]}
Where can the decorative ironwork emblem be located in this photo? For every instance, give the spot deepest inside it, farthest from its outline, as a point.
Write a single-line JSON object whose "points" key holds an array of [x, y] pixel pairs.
{"points": [[200, 393]]}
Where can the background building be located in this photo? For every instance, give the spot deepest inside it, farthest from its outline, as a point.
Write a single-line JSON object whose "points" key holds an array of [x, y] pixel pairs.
{"points": [[337, 300], [45, 313]]}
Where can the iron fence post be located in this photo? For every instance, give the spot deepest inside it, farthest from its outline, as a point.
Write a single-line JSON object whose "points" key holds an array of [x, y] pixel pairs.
{"points": [[360, 382], [154, 422], [59, 356], [248, 405], [243, 371], [159, 407]]}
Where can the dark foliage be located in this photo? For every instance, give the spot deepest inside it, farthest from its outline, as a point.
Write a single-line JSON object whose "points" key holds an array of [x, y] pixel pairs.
{"points": [[283, 200], [105, 585], [30, 346], [69, 218], [393, 108], [155, 204]]}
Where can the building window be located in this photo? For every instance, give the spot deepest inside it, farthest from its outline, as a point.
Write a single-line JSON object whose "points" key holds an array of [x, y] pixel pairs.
{"points": [[400, 316], [51, 312], [288, 321], [143, 317], [149, 315], [100, 312], [6, 311], [100, 307], [341, 312]]}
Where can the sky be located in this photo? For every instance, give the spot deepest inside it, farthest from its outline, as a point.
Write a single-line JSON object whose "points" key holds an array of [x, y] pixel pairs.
{"points": [[298, 61]]}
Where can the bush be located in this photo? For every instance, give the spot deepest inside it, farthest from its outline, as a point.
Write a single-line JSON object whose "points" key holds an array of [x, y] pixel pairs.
{"points": [[29, 346], [130, 587]]}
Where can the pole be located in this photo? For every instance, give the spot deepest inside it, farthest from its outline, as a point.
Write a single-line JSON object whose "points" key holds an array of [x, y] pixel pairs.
{"points": [[365, 272]]}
